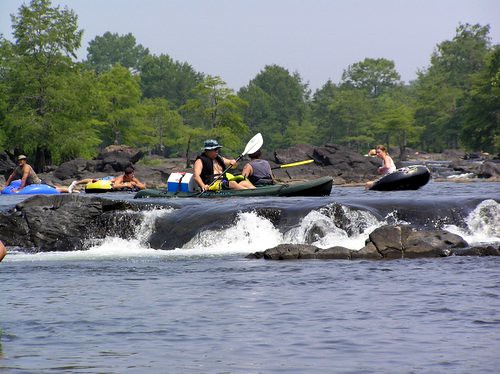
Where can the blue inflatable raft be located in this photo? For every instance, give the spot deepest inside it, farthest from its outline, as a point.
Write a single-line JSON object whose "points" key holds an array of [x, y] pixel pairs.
{"points": [[32, 189]]}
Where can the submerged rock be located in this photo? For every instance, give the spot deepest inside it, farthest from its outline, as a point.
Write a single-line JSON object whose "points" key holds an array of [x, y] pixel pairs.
{"points": [[385, 243]]}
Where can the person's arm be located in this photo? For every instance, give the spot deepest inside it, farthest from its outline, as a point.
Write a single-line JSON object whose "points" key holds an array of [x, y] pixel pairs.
{"points": [[247, 170], [26, 173], [138, 184], [230, 162], [197, 168], [117, 182]]}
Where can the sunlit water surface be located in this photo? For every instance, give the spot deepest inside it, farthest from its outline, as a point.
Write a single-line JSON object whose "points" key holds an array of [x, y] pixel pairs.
{"points": [[124, 307]]}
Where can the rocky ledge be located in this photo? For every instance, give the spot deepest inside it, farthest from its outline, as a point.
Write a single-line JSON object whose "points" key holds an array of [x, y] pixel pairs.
{"points": [[70, 222], [385, 243]]}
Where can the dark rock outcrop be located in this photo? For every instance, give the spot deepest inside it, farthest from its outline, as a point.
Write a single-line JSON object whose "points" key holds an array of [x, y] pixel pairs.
{"points": [[385, 243], [64, 222], [489, 169], [6, 165], [117, 158], [345, 165]]}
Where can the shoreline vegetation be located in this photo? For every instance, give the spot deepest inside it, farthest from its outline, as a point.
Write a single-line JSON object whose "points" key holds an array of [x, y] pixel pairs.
{"points": [[55, 109]]}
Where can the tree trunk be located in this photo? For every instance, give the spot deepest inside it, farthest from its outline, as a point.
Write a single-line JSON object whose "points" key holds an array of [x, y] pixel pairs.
{"points": [[42, 159], [187, 151]]}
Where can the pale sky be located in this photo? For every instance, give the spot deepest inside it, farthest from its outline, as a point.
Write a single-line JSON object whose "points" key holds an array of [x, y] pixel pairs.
{"points": [[236, 39]]}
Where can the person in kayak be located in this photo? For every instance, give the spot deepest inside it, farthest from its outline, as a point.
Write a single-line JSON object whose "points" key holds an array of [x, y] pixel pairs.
{"points": [[387, 163], [258, 171], [27, 175], [209, 166]]}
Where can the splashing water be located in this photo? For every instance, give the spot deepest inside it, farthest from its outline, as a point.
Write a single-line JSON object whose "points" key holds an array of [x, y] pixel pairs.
{"points": [[111, 246], [250, 233], [482, 224], [334, 226]]}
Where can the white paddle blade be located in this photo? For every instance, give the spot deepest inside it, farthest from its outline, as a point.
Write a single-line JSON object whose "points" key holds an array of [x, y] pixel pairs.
{"points": [[254, 144]]}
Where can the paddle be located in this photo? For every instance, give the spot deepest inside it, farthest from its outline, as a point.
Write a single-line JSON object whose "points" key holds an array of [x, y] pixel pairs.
{"points": [[252, 146], [298, 163]]}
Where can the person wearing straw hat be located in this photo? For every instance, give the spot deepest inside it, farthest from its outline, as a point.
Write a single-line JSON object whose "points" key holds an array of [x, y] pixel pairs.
{"points": [[27, 175], [209, 165], [24, 172]]}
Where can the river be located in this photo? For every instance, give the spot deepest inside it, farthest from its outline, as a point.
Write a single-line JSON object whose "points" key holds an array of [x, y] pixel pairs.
{"points": [[201, 307]]}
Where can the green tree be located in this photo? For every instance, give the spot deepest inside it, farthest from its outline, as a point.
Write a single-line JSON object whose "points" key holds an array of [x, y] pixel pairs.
{"points": [[373, 75], [441, 88], [110, 49], [172, 80], [481, 107], [352, 114], [276, 99], [217, 110], [322, 114], [119, 110], [165, 129], [394, 123], [47, 113]]}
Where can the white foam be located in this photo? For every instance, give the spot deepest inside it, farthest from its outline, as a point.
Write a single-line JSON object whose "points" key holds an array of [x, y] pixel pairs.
{"points": [[110, 247], [250, 233], [482, 224], [318, 228]]}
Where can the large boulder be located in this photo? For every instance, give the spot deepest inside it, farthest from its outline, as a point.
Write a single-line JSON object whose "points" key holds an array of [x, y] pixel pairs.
{"points": [[489, 169], [115, 158], [338, 161], [404, 242], [75, 169], [384, 243], [63, 222]]}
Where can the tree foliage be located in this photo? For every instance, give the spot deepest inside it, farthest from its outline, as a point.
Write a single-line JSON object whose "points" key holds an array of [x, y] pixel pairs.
{"points": [[172, 80], [119, 99], [55, 109], [280, 99], [373, 75], [46, 90], [110, 49], [218, 110]]}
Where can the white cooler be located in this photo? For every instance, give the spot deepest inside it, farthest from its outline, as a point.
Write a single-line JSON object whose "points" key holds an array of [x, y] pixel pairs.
{"points": [[181, 182]]}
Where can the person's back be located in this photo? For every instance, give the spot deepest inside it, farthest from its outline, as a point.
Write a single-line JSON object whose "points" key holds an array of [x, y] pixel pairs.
{"points": [[258, 171]]}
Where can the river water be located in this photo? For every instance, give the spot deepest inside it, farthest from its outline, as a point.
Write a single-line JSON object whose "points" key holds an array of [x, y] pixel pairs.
{"points": [[201, 307]]}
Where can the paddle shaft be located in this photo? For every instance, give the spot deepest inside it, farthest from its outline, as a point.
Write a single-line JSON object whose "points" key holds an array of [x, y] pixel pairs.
{"points": [[298, 163]]}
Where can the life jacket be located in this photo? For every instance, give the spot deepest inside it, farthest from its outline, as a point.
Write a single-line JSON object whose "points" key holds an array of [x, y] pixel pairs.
{"points": [[207, 172]]}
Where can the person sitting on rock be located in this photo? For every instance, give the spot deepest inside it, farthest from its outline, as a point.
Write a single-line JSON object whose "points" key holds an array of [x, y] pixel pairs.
{"points": [[258, 171], [209, 166]]}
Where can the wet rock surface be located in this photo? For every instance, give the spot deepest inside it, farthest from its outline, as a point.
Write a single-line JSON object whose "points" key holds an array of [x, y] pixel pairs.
{"points": [[385, 243]]}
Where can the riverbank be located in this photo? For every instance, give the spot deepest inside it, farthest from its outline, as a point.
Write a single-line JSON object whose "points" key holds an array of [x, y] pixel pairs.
{"points": [[348, 168]]}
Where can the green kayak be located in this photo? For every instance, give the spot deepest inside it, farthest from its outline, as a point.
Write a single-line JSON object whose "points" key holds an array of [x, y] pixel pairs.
{"points": [[317, 187]]}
